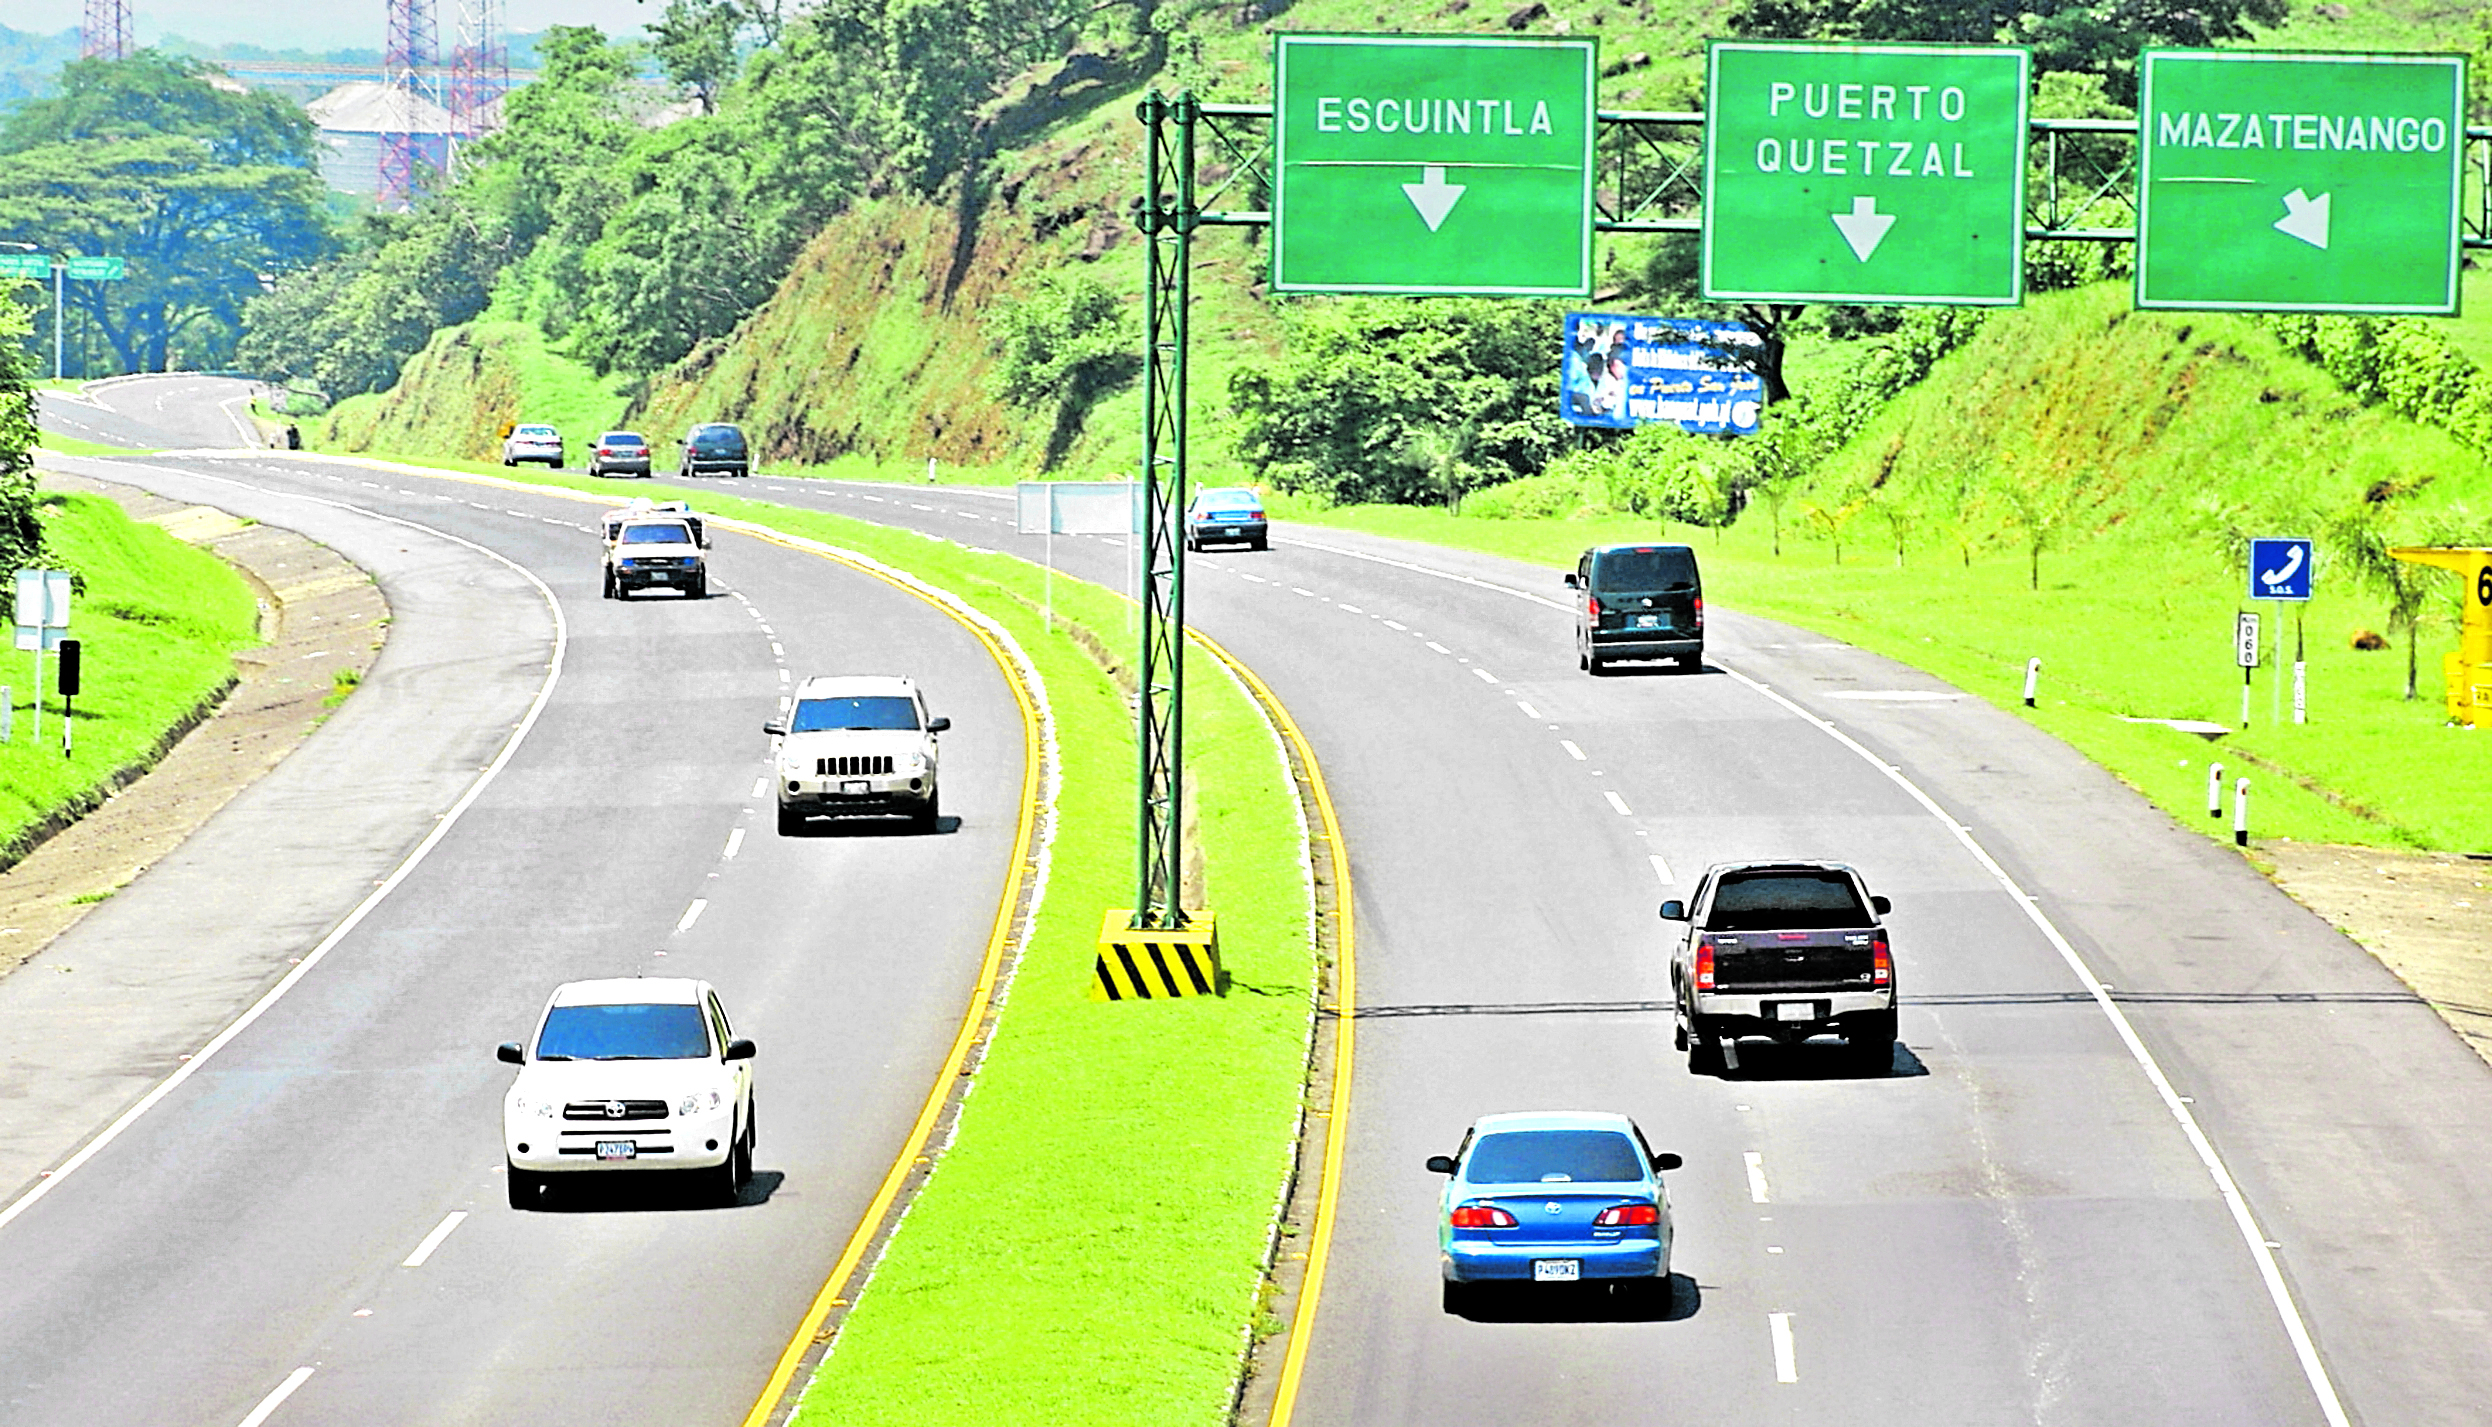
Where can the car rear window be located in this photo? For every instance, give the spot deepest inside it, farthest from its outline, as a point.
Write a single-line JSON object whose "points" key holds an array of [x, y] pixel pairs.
{"points": [[1645, 568], [656, 535], [660, 1032], [536, 430], [1795, 900], [873, 712], [1553, 1157], [620, 438], [1245, 500], [717, 433]]}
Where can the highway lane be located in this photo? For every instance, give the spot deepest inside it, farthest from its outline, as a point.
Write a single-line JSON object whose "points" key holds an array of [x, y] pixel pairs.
{"points": [[2014, 1224], [256, 1223], [154, 413]]}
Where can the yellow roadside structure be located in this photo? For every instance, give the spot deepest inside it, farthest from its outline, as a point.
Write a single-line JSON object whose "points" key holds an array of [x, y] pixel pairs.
{"points": [[2468, 670]]}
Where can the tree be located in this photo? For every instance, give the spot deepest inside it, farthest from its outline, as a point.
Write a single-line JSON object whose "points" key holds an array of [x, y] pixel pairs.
{"points": [[695, 43], [204, 191], [21, 532], [2361, 539], [1066, 344]]}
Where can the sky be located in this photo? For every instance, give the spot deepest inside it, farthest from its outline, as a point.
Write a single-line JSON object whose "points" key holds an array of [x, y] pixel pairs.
{"points": [[302, 24]]}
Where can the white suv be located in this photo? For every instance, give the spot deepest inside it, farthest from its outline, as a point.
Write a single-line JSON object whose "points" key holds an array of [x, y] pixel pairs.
{"points": [[630, 1073], [857, 743]]}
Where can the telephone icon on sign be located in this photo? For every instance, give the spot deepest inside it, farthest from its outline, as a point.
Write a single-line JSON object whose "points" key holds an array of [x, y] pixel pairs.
{"points": [[2280, 569]]}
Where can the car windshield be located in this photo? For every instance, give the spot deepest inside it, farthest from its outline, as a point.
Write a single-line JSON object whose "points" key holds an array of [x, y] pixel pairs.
{"points": [[1790, 900], [620, 438], [1227, 500], [623, 1033], [881, 711], [659, 534], [1553, 1157], [1645, 567]]}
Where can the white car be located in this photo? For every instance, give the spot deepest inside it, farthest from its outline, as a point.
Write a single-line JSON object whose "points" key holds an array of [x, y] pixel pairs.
{"points": [[856, 744], [532, 443], [634, 1073]]}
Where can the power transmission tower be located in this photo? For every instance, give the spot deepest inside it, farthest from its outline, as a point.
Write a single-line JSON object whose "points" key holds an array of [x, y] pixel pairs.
{"points": [[106, 33], [410, 56], [479, 74]]}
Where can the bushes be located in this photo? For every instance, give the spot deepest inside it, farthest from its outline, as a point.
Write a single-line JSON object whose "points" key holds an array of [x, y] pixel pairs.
{"points": [[1067, 344], [21, 533], [2399, 363]]}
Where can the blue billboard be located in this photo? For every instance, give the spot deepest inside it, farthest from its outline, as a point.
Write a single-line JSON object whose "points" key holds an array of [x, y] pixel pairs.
{"points": [[1635, 371]]}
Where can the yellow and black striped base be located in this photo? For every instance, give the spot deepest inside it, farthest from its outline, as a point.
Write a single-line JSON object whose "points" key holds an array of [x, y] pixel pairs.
{"points": [[1138, 965]]}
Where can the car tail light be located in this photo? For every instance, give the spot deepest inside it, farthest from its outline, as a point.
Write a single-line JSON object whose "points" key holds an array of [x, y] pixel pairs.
{"points": [[1622, 1215], [1881, 962], [1482, 1216], [1592, 603], [1704, 963], [1700, 611]]}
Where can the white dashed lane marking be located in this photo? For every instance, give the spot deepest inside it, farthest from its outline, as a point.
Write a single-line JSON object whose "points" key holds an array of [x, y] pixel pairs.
{"points": [[433, 1240], [1619, 803], [692, 914], [1439, 648], [1484, 674], [1756, 1171], [1529, 712], [1571, 750], [1397, 626], [274, 1400], [1661, 870], [761, 785], [1354, 609], [1786, 1358], [735, 839]]}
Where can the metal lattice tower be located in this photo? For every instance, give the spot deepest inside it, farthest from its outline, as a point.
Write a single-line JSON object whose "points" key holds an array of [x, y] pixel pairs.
{"points": [[106, 33], [409, 56], [479, 72], [1168, 220]]}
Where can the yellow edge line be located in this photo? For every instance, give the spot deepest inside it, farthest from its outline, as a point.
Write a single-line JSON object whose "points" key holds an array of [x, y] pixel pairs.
{"points": [[979, 1001], [1345, 1038]]}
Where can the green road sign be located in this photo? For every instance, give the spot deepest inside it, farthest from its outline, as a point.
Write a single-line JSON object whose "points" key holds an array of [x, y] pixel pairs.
{"points": [[95, 270], [2300, 182], [1865, 173], [1426, 163], [36, 266]]}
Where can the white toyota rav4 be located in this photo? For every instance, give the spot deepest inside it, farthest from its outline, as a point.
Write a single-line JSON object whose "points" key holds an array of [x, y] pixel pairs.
{"points": [[630, 1073], [858, 743]]}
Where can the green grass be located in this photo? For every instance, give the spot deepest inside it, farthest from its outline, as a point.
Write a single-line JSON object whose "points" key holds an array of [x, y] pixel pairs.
{"points": [[158, 624], [456, 393], [1090, 1246]]}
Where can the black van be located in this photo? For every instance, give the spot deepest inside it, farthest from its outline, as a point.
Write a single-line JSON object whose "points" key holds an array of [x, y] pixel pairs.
{"points": [[1638, 602]]}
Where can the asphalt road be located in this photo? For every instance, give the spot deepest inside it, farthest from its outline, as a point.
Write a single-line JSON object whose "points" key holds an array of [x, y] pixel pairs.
{"points": [[2012, 1225], [255, 1222]]}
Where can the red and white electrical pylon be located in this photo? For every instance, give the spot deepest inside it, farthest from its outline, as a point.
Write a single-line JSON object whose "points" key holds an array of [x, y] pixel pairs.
{"points": [[479, 73], [106, 33], [410, 55]]}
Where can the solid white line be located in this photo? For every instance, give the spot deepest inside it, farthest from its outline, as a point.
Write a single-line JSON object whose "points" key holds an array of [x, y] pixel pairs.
{"points": [[1529, 712], [735, 844], [389, 884], [271, 1402], [1756, 1173], [2314, 1372], [692, 914], [1786, 1360], [1571, 750], [1484, 674], [1617, 802], [1439, 648], [761, 785], [1661, 870], [433, 1240]]}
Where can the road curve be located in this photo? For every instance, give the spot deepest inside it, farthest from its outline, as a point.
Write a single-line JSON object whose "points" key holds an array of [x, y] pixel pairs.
{"points": [[2014, 1223], [257, 1222]]}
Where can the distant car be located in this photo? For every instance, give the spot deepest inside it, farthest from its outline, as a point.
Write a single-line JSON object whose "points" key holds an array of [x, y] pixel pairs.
{"points": [[1638, 602], [1561, 1196], [532, 443], [619, 453], [1227, 515], [858, 744], [714, 446], [633, 1073]]}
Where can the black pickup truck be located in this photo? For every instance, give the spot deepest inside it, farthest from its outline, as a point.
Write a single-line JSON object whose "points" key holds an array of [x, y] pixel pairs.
{"points": [[1782, 949]]}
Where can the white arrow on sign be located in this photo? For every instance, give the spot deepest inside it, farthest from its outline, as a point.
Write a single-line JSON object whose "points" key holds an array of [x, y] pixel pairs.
{"points": [[1864, 227], [1433, 196], [2305, 218]]}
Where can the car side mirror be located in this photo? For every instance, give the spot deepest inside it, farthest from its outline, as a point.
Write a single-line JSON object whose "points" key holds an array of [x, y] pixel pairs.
{"points": [[740, 1049], [1666, 1160], [1440, 1164], [775, 727], [937, 725], [1674, 910], [509, 1053], [1570, 580], [1880, 905]]}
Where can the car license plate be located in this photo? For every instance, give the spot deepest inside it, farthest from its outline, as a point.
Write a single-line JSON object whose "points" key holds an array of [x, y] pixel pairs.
{"points": [[856, 785], [1795, 1011], [617, 1149], [1228, 530], [661, 575], [1648, 621], [1556, 1270]]}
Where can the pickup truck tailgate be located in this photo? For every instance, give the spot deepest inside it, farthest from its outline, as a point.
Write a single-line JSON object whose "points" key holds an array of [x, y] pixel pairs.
{"points": [[1792, 961]]}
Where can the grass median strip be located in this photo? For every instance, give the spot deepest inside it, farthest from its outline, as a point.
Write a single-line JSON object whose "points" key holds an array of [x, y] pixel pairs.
{"points": [[1091, 1245]]}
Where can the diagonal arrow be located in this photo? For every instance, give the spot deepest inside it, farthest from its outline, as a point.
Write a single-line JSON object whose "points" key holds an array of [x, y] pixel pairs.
{"points": [[1864, 227], [1433, 196], [2305, 218]]}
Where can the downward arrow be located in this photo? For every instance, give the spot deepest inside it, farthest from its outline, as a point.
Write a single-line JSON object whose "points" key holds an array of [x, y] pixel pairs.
{"points": [[2305, 218], [1434, 197], [1864, 227]]}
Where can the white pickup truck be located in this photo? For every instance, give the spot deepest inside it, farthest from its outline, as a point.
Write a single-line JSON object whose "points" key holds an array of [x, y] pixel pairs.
{"points": [[656, 545]]}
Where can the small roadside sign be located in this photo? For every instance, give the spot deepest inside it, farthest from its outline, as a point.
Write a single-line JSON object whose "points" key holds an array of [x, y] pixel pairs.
{"points": [[33, 267], [42, 609], [95, 269], [2245, 639], [2280, 568]]}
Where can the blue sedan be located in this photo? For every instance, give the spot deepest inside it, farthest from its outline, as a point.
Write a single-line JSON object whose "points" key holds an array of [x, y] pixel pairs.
{"points": [[1553, 1197]]}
